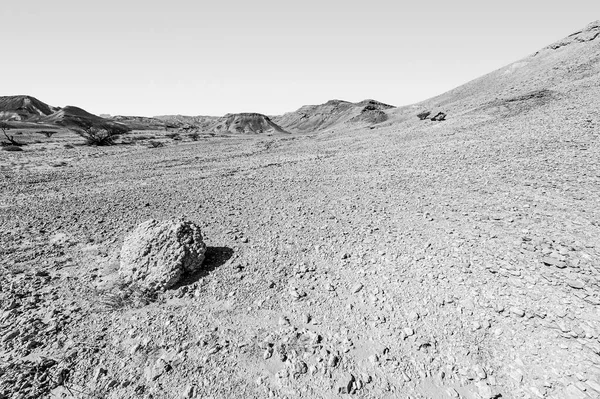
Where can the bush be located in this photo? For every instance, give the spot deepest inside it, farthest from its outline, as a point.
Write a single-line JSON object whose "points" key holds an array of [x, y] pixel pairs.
{"points": [[100, 136], [11, 141], [194, 136]]}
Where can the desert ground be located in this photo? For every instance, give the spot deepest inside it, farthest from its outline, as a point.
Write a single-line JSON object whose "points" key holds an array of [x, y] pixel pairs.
{"points": [[407, 259]]}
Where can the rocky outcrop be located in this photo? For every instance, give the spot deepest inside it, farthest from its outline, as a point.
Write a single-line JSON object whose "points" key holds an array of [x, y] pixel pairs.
{"points": [[437, 117], [158, 253]]}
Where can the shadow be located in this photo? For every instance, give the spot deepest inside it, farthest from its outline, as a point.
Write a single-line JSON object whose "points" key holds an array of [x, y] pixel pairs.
{"points": [[213, 258]]}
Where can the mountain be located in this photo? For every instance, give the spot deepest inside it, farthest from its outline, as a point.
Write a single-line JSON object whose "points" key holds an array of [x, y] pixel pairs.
{"points": [[23, 108], [334, 113]]}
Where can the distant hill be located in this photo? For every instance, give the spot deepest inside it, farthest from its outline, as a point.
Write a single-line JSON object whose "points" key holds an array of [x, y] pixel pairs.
{"points": [[23, 108], [71, 116], [246, 123], [311, 118]]}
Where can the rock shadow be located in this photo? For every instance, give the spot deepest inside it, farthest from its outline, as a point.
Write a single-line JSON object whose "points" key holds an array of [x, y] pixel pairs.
{"points": [[214, 257]]}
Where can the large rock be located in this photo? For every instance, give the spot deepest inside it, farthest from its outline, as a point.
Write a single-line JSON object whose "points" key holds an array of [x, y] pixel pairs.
{"points": [[158, 253]]}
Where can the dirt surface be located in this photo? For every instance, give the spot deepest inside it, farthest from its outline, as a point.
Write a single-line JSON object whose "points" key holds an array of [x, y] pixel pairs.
{"points": [[421, 259]]}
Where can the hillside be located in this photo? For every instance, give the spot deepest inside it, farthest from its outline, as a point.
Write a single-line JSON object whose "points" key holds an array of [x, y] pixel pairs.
{"points": [[557, 71], [332, 114], [23, 108], [246, 123], [71, 116]]}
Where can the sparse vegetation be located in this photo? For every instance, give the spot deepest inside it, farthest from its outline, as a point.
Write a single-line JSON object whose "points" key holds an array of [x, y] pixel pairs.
{"points": [[194, 136], [98, 135], [124, 296], [11, 141]]}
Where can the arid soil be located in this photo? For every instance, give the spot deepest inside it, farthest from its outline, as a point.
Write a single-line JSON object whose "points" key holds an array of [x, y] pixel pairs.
{"points": [[416, 259]]}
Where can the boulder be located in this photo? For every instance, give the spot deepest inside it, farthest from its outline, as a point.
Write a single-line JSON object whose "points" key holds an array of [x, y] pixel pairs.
{"points": [[158, 253]]}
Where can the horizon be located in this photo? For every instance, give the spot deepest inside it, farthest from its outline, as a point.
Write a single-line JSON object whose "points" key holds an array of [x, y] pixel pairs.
{"points": [[150, 55]]}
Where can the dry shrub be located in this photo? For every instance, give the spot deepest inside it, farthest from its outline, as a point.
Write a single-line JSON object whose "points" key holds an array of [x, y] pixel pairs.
{"points": [[124, 296]]}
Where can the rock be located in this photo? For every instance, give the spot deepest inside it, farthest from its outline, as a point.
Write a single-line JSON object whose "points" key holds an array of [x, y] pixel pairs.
{"points": [[157, 254], [517, 311], [188, 392], [550, 261], [333, 361], [481, 374], [345, 382], [10, 335], [440, 116], [409, 332], [485, 391], [300, 367], [284, 321], [577, 284], [423, 115], [356, 288]]}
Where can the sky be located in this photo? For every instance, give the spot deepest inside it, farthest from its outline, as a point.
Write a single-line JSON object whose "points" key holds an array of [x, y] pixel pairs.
{"points": [[133, 57]]}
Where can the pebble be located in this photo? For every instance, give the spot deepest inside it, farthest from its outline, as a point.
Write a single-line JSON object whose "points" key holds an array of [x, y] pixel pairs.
{"points": [[345, 383], [333, 361], [517, 311], [577, 284], [550, 261], [356, 288]]}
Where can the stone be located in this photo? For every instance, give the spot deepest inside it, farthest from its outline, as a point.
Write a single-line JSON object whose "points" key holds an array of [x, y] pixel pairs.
{"points": [[517, 311], [10, 335], [300, 367], [576, 284], [345, 383], [485, 391], [158, 253], [356, 288], [550, 261], [333, 361]]}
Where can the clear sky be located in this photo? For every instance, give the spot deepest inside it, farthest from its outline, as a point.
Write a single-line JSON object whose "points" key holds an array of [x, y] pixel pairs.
{"points": [[133, 57]]}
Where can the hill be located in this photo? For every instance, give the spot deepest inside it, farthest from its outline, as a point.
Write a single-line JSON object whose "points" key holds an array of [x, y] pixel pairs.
{"points": [[23, 108], [334, 113], [246, 123], [71, 116], [540, 78]]}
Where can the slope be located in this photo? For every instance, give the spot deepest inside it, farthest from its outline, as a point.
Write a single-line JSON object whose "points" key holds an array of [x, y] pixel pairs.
{"points": [[332, 114], [23, 108]]}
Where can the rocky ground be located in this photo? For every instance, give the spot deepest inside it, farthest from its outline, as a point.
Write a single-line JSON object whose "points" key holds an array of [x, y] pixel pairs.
{"points": [[417, 258], [455, 259]]}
